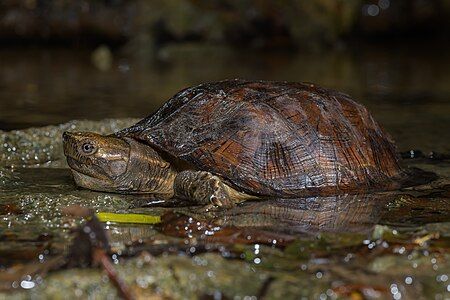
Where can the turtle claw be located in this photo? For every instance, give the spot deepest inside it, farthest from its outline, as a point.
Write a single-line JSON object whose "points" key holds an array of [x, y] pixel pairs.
{"points": [[203, 188], [221, 201], [219, 195]]}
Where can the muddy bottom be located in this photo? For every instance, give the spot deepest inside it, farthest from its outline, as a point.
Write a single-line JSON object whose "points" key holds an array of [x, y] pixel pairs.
{"points": [[374, 246]]}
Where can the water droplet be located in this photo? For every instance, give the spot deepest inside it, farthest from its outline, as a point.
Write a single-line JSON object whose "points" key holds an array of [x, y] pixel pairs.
{"points": [[371, 10], [25, 284]]}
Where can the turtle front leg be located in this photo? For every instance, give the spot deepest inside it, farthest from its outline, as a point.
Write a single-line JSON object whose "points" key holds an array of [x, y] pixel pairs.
{"points": [[205, 188]]}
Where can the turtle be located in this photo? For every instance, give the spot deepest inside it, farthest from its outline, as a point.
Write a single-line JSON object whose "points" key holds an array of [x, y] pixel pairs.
{"points": [[229, 141]]}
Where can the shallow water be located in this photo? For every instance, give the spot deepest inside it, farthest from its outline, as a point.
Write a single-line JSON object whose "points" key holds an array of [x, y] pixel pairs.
{"points": [[384, 245]]}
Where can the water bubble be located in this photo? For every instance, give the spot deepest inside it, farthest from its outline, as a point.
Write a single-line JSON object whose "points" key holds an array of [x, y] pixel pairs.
{"points": [[25, 284], [319, 275], [257, 260], [142, 282], [442, 278], [408, 280], [372, 10], [348, 257], [395, 292]]}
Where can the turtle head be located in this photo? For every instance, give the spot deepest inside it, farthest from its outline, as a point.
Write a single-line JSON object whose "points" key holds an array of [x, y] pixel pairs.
{"points": [[116, 164], [96, 161]]}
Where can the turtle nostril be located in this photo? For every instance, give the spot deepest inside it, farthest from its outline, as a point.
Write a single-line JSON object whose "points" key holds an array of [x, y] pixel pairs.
{"points": [[67, 135]]}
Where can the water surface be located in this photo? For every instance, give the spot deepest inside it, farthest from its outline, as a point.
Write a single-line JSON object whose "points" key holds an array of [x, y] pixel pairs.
{"points": [[375, 246]]}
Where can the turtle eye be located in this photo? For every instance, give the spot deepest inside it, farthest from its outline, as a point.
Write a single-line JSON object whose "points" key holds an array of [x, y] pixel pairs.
{"points": [[88, 148]]}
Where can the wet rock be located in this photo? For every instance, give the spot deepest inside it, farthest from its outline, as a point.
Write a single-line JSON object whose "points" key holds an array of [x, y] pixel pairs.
{"points": [[43, 146], [172, 276], [102, 58]]}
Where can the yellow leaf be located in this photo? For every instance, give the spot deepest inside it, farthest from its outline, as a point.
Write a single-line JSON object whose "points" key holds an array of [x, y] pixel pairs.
{"points": [[128, 218]]}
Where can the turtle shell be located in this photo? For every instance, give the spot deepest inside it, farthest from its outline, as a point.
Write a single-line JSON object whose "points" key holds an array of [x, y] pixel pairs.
{"points": [[274, 138]]}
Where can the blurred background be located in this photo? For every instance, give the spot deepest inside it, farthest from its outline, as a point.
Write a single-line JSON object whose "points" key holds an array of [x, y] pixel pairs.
{"points": [[63, 60]]}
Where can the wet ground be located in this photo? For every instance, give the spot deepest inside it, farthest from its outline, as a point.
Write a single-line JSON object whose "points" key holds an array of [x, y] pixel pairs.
{"points": [[380, 246]]}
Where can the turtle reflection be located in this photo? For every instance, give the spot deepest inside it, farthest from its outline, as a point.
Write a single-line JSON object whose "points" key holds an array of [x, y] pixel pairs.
{"points": [[343, 213], [280, 219]]}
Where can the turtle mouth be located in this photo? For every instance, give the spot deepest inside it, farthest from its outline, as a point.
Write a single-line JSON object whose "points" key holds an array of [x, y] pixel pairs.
{"points": [[89, 170]]}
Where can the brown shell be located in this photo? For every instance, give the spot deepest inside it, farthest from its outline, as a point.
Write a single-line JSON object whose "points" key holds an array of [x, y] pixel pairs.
{"points": [[274, 138]]}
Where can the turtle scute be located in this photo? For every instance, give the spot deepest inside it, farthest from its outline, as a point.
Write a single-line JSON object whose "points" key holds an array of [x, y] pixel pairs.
{"points": [[274, 138]]}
